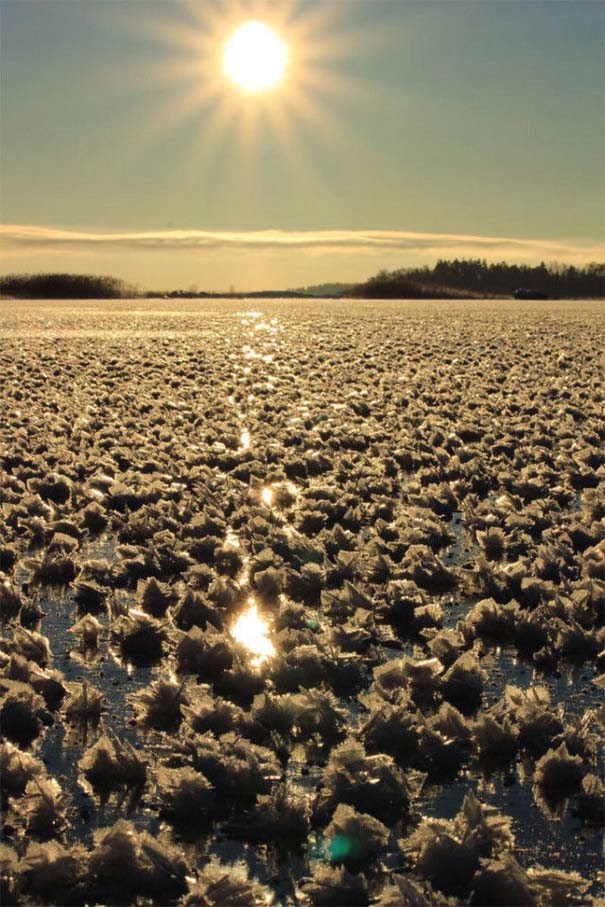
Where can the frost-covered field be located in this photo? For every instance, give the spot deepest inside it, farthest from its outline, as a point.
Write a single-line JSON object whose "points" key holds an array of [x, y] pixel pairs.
{"points": [[302, 603]]}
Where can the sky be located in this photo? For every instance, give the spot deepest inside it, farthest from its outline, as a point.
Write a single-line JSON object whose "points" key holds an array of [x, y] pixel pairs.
{"points": [[403, 131]]}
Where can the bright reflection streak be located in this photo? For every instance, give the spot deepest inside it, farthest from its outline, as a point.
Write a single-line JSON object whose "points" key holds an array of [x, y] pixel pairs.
{"points": [[251, 630], [267, 495], [232, 538], [244, 439]]}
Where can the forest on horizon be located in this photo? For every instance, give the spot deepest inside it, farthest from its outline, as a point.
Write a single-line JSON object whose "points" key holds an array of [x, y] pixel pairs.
{"points": [[475, 277], [459, 278]]}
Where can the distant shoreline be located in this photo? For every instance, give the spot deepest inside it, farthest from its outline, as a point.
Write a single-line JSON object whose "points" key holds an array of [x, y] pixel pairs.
{"points": [[457, 279], [276, 297]]}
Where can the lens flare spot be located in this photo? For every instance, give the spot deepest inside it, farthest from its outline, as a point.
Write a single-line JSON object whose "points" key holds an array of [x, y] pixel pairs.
{"points": [[252, 631], [342, 847]]}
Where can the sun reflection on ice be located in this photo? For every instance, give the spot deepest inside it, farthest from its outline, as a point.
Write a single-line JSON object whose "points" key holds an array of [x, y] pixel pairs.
{"points": [[244, 439], [267, 495], [251, 630], [232, 538]]}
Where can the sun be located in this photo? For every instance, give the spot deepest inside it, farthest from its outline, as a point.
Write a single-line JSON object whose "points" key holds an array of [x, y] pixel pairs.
{"points": [[255, 57], [253, 76]]}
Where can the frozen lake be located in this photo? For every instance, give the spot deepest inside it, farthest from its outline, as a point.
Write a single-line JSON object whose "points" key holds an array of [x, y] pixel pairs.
{"points": [[410, 494]]}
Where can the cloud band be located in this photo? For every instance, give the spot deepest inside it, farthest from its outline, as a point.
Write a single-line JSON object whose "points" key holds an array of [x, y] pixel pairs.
{"points": [[34, 239]]}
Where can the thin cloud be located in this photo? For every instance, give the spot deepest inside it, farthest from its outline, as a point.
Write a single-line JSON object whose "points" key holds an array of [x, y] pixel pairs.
{"points": [[36, 239]]}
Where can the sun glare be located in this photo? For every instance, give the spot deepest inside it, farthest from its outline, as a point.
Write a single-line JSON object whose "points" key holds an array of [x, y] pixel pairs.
{"points": [[251, 75], [251, 630], [255, 57]]}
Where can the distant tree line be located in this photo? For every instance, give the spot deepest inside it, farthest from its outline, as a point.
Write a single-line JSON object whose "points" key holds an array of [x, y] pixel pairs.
{"points": [[476, 277], [323, 290], [447, 279], [64, 286], [400, 285]]}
